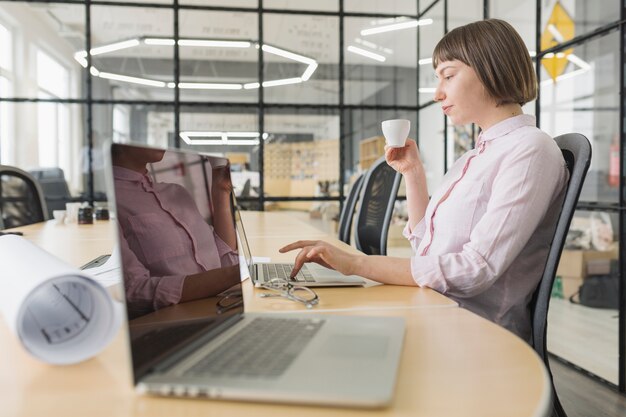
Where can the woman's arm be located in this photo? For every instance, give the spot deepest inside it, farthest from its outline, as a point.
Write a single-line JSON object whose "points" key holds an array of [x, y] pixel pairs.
{"points": [[209, 283], [221, 195], [383, 269], [406, 160]]}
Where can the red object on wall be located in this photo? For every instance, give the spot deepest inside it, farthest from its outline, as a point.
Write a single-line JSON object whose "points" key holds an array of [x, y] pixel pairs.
{"points": [[614, 165]]}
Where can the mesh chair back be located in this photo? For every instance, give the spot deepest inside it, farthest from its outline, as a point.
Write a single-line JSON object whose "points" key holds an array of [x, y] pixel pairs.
{"points": [[347, 214], [54, 188], [577, 154], [21, 199], [378, 195]]}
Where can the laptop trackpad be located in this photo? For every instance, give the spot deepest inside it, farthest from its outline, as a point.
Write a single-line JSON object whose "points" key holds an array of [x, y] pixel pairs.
{"points": [[355, 345], [322, 274]]}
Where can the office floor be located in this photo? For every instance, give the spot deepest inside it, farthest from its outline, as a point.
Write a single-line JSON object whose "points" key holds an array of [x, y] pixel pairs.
{"points": [[587, 337], [582, 396]]}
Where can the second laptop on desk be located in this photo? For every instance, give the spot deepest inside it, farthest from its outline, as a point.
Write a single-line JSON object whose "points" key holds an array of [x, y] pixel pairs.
{"points": [[311, 275], [164, 203]]}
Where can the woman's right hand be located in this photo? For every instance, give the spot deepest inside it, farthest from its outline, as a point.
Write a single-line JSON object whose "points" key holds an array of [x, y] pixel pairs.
{"points": [[405, 159], [322, 253]]}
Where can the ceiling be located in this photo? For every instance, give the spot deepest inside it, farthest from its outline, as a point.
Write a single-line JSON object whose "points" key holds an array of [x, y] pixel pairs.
{"points": [[314, 37]]}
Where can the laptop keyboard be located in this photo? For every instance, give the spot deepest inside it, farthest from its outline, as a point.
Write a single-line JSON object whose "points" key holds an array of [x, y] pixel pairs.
{"points": [[271, 271], [264, 348]]}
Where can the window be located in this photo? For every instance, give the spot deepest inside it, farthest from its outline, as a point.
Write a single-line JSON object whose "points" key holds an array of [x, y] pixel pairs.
{"points": [[6, 89], [6, 49], [121, 124], [53, 119], [52, 77]]}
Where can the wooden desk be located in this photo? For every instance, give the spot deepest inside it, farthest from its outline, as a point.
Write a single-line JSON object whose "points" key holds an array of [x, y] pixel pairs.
{"points": [[75, 244], [454, 363]]}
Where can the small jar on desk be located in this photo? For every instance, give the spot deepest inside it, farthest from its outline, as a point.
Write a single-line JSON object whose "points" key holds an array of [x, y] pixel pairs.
{"points": [[102, 213], [85, 215]]}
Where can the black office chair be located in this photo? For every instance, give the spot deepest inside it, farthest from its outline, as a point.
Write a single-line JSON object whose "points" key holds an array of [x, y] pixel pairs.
{"points": [[54, 188], [21, 198], [378, 195], [347, 214], [577, 154]]}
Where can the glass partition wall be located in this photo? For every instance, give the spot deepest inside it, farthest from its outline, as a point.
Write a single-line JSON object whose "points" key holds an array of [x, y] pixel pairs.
{"points": [[293, 94], [580, 72]]}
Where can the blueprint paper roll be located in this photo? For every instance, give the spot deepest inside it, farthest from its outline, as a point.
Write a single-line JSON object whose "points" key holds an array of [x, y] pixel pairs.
{"points": [[60, 314]]}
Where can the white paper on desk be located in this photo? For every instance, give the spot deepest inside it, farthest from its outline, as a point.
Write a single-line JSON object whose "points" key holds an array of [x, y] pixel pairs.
{"points": [[110, 272], [59, 314]]}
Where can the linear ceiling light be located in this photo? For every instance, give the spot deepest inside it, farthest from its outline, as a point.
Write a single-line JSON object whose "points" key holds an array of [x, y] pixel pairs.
{"points": [[396, 26], [312, 64], [373, 46], [286, 54], [214, 44], [133, 80], [309, 71], [250, 86], [159, 41], [274, 83], [221, 138], [207, 43], [112, 47], [81, 58], [207, 86], [425, 61], [367, 54], [555, 32]]}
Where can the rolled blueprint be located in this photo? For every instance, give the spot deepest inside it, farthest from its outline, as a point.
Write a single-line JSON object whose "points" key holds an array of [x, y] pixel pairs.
{"points": [[60, 314]]}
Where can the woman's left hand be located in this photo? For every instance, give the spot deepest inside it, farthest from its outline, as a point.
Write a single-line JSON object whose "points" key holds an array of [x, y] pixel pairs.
{"points": [[322, 253]]}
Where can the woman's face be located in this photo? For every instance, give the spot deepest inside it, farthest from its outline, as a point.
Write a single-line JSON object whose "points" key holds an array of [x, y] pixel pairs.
{"points": [[462, 96]]}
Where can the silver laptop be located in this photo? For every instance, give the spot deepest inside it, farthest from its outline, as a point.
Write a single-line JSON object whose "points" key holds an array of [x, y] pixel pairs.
{"points": [[311, 275], [210, 348]]}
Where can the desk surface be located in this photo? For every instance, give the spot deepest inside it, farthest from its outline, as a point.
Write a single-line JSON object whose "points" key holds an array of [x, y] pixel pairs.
{"points": [[454, 363]]}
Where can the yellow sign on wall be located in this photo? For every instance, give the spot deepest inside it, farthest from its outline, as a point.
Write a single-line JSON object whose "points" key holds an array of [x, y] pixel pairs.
{"points": [[559, 29]]}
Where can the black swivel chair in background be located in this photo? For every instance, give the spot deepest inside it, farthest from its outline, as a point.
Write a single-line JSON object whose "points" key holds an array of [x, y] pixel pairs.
{"points": [[21, 199], [54, 187], [577, 154], [380, 188], [347, 213]]}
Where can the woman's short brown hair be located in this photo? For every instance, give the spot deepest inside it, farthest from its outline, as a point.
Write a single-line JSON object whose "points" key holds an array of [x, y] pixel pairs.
{"points": [[496, 52]]}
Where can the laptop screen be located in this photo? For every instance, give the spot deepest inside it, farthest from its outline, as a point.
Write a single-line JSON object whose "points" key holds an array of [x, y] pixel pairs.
{"points": [[243, 244], [178, 246]]}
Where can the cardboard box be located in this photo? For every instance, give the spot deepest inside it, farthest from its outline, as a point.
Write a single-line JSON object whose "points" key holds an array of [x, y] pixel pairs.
{"points": [[573, 267], [573, 263], [570, 285]]}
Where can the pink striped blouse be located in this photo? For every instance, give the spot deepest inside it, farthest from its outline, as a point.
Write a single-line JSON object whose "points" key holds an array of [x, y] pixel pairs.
{"points": [[485, 236], [163, 238]]}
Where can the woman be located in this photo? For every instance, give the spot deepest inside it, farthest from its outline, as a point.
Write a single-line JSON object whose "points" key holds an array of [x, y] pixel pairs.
{"points": [[170, 253], [483, 237]]}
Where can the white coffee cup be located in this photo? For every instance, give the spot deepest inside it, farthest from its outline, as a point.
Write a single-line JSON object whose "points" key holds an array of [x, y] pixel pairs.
{"points": [[71, 215], [396, 131], [59, 216]]}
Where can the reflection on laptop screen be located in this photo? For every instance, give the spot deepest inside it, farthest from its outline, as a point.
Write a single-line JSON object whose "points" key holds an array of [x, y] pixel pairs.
{"points": [[178, 245], [243, 241]]}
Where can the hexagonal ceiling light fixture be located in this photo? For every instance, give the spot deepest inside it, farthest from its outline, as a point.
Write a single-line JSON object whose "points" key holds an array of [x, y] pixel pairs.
{"points": [[81, 58]]}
